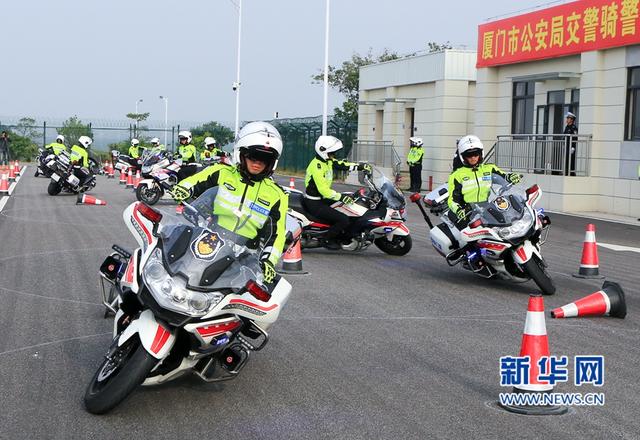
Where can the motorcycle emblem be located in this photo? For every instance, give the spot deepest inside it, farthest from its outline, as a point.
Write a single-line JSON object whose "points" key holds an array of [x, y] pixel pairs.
{"points": [[207, 246], [501, 203]]}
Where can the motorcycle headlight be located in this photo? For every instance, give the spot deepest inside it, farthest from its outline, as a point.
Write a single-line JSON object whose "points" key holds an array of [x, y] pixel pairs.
{"points": [[517, 228], [172, 293]]}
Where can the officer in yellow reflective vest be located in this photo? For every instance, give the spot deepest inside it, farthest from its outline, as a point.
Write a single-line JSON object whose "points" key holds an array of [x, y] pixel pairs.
{"points": [[56, 147], [246, 190], [414, 160]]}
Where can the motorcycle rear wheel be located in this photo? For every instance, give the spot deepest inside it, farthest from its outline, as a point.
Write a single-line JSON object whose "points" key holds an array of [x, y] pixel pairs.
{"points": [[537, 272], [400, 245], [118, 376], [54, 188], [147, 195]]}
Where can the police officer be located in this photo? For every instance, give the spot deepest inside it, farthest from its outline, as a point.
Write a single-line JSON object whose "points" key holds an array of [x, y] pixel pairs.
{"points": [[80, 158], [56, 147], [414, 160], [469, 183], [319, 196], [246, 190], [570, 128], [211, 150], [186, 150], [134, 149], [156, 146]]}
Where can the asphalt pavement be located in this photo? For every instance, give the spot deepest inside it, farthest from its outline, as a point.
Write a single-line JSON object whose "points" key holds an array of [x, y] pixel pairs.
{"points": [[369, 346]]}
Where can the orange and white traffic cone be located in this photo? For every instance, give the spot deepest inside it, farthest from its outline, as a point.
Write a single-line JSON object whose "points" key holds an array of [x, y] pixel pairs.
{"points": [[123, 177], [607, 301], [589, 264], [12, 173], [292, 183], [535, 345], [86, 199], [4, 184], [17, 167], [179, 209], [129, 179], [110, 171], [292, 260], [136, 180]]}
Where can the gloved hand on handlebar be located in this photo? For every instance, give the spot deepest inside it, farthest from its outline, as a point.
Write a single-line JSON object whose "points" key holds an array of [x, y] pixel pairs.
{"points": [[180, 193], [463, 213], [364, 167], [514, 178], [347, 200], [268, 271]]}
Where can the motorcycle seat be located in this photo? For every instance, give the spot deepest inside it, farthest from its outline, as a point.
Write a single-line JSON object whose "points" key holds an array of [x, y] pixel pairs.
{"points": [[297, 203]]}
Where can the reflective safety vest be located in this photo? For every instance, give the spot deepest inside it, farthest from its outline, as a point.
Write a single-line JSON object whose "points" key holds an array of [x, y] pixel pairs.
{"points": [[470, 185], [319, 177], [244, 207], [187, 152], [56, 147], [415, 155], [80, 155], [134, 151]]}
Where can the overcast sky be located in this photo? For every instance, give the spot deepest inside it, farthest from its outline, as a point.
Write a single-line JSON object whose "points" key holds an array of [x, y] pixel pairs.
{"points": [[96, 58]]}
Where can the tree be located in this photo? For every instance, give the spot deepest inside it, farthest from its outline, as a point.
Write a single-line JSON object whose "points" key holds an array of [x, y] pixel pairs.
{"points": [[138, 118], [222, 134], [73, 128], [26, 128], [346, 80], [432, 46]]}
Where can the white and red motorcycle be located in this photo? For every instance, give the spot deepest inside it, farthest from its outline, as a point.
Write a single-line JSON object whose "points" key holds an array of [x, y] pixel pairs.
{"points": [[503, 236], [376, 217], [190, 299]]}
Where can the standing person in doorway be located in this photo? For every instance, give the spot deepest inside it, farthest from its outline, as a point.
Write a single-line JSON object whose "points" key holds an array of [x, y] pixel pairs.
{"points": [[414, 160], [4, 148], [570, 128]]}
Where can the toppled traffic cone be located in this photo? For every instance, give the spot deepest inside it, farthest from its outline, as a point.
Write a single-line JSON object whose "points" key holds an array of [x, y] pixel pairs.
{"points": [[86, 199], [589, 264], [292, 260], [4, 184], [292, 183], [607, 301], [129, 179], [12, 173], [535, 345]]}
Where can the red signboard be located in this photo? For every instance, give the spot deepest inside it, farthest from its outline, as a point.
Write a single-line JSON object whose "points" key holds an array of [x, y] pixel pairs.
{"points": [[563, 30]]}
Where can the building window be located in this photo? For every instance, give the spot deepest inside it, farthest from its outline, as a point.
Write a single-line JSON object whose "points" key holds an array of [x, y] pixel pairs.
{"points": [[632, 126], [522, 114]]}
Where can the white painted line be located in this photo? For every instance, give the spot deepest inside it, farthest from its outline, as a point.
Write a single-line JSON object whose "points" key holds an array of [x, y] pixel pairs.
{"points": [[12, 187], [3, 201], [616, 247]]}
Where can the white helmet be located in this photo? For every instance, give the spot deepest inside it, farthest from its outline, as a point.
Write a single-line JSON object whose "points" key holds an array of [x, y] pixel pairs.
{"points": [[134, 142], [415, 141], [326, 145], [85, 141], [60, 139], [209, 141], [155, 141], [469, 144], [259, 140], [186, 135]]}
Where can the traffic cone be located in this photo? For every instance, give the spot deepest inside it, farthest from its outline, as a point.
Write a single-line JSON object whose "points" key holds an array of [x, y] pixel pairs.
{"points": [[129, 179], [535, 344], [607, 301], [86, 199], [179, 209], [123, 177], [589, 265], [136, 180], [17, 168], [4, 184], [292, 260], [12, 173], [292, 183], [110, 171]]}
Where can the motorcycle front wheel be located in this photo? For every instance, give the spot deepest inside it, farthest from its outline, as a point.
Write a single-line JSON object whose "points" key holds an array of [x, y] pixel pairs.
{"points": [[54, 188], [120, 373], [536, 270], [147, 195], [398, 246]]}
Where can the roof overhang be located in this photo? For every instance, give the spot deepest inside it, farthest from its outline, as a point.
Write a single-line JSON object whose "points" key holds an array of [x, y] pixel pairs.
{"points": [[548, 76]]}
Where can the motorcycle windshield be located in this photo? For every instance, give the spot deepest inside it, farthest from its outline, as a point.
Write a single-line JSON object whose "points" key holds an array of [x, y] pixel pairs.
{"points": [[150, 158], [209, 256], [380, 182], [505, 205]]}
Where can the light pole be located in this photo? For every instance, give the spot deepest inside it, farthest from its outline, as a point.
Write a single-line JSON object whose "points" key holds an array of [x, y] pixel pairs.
{"points": [[137, 102], [166, 112], [135, 131], [326, 71], [236, 84]]}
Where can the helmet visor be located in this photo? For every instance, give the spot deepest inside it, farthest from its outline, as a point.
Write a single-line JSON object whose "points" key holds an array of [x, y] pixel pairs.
{"points": [[471, 153], [261, 154]]}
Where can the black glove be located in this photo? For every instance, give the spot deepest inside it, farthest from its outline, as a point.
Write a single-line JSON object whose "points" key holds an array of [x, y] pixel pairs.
{"points": [[346, 199], [180, 193], [268, 271], [513, 178], [364, 167], [463, 213]]}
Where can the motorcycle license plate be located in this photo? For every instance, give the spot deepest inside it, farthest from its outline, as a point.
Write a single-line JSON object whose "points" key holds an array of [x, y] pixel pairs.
{"points": [[55, 177], [73, 180], [51, 163]]}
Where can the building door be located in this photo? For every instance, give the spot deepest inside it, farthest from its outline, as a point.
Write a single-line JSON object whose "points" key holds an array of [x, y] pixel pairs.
{"points": [[554, 124], [409, 123], [379, 125]]}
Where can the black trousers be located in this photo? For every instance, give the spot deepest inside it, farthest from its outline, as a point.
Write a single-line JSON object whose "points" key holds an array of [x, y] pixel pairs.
{"points": [[187, 170], [415, 172], [322, 209]]}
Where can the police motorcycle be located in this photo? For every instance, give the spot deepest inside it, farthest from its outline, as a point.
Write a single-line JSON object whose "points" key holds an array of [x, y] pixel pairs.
{"points": [[377, 217], [42, 160], [63, 177], [123, 162], [191, 299], [160, 175], [503, 237]]}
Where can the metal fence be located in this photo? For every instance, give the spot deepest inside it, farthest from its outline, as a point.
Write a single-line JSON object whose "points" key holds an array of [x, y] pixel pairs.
{"points": [[299, 136], [559, 154], [380, 153]]}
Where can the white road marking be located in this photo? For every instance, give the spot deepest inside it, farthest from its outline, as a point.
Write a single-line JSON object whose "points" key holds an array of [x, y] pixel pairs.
{"points": [[3, 201], [617, 247]]}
